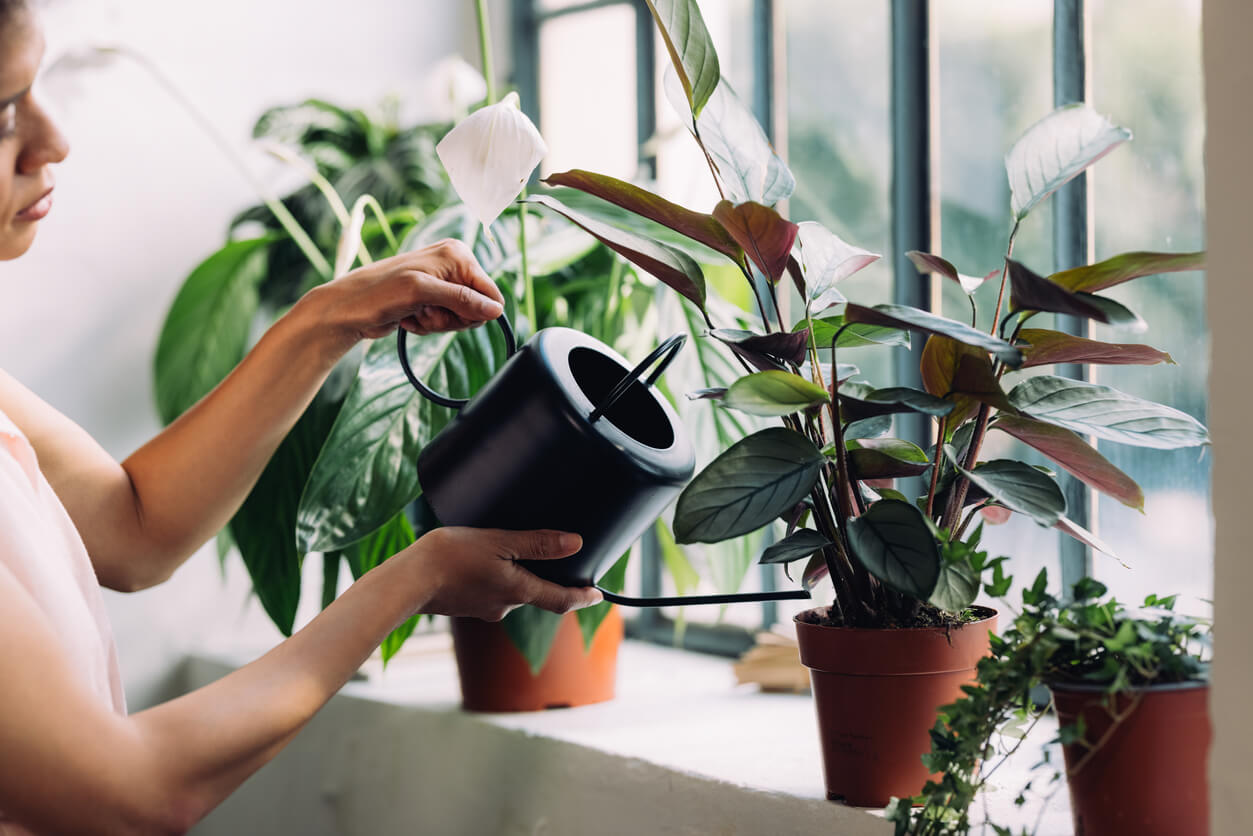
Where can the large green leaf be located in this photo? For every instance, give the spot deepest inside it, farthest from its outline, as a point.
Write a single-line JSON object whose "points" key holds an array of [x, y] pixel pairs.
{"points": [[698, 226], [764, 234], [956, 587], [264, 526], [205, 334], [773, 393], [395, 535], [675, 559], [827, 260], [799, 544], [691, 49], [1054, 150], [1075, 455], [590, 618], [747, 165], [1092, 409], [672, 267], [853, 335], [705, 363], [912, 319], [892, 540], [532, 631], [886, 458], [860, 401], [1019, 487], [368, 468], [1042, 347], [750, 484], [1124, 268]]}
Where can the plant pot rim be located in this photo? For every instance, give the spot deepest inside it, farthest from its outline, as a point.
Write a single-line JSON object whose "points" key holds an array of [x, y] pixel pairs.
{"points": [[986, 613], [1086, 688]]}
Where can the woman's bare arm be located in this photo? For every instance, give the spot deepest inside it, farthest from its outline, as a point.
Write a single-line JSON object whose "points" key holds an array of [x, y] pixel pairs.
{"points": [[142, 518], [71, 766]]}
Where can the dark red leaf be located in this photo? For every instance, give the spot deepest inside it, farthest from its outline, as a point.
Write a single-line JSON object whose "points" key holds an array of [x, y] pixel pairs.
{"points": [[1043, 347], [764, 234]]}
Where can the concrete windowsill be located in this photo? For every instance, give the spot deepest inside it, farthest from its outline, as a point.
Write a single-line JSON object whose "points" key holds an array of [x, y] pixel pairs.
{"points": [[682, 749]]}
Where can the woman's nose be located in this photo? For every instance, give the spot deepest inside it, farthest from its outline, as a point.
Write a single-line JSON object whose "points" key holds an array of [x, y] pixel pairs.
{"points": [[44, 143]]}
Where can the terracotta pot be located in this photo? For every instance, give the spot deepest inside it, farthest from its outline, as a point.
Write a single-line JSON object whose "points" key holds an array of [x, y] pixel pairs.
{"points": [[1147, 776], [495, 675], [877, 693]]}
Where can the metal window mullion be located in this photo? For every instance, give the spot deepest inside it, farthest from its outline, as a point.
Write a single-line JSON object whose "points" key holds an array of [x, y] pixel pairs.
{"points": [[915, 216], [1072, 247], [646, 89], [526, 21]]}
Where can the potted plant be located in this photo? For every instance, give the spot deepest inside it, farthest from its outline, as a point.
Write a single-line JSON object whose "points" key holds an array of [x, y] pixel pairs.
{"points": [[901, 635], [314, 496], [1131, 693], [323, 492]]}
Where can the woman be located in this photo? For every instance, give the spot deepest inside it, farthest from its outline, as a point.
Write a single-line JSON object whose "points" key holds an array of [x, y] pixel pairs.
{"points": [[71, 760]]}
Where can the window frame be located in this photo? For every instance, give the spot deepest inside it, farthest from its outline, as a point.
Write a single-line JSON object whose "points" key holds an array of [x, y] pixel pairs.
{"points": [[915, 218]]}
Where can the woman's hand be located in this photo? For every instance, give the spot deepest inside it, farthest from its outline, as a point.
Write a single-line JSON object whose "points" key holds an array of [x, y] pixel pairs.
{"points": [[474, 572], [437, 288]]}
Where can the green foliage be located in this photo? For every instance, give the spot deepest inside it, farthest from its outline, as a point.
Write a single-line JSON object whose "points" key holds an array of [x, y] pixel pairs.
{"points": [[343, 480], [1090, 639], [206, 331], [888, 560]]}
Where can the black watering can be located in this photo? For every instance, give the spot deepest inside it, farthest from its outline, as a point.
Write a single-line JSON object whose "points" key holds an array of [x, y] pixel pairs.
{"points": [[565, 436]]}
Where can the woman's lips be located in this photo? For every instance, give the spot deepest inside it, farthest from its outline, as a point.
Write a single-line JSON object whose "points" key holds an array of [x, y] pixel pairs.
{"points": [[37, 210]]}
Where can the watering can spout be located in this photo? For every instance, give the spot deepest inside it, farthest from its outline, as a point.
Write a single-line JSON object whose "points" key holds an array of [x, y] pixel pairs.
{"points": [[685, 600]]}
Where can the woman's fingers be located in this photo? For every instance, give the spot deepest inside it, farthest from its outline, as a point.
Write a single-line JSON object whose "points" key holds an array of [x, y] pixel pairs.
{"points": [[542, 544], [461, 300], [562, 599]]}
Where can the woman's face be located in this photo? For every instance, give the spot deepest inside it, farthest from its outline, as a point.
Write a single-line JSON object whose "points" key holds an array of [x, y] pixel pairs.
{"points": [[29, 142]]}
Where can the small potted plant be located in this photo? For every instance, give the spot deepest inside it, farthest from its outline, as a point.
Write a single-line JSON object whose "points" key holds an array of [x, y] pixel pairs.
{"points": [[901, 635], [1131, 692]]}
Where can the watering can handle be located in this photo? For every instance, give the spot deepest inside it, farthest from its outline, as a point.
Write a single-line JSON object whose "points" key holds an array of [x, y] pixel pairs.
{"points": [[666, 352], [511, 346]]}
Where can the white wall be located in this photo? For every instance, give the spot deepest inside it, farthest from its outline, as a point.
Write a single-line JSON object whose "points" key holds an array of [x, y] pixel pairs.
{"points": [[144, 196]]}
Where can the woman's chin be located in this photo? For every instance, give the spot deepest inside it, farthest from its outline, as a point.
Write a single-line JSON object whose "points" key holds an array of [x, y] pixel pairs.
{"points": [[15, 242]]}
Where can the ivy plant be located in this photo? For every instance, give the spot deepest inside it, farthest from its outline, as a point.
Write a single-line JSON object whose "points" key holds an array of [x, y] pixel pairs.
{"points": [[1090, 639]]}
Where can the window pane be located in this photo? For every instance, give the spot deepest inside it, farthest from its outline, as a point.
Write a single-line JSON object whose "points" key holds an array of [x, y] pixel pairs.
{"points": [[1146, 75], [587, 92], [995, 81]]}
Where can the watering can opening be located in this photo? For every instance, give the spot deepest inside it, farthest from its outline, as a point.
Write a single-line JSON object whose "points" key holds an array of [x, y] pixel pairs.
{"points": [[635, 412]]}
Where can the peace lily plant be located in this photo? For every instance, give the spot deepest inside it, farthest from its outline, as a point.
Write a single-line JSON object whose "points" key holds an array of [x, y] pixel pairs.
{"points": [[827, 471]]}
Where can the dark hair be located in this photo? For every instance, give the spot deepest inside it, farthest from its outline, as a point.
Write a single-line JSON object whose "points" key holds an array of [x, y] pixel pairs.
{"points": [[9, 7]]}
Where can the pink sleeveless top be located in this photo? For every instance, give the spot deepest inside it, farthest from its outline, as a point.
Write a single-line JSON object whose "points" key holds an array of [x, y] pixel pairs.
{"points": [[41, 547]]}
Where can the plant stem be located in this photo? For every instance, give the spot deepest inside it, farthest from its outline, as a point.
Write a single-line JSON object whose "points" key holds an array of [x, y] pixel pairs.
{"points": [[958, 499], [615, 285], [485, 50], [935, 467], [489, 75], [1000, 296], [528, 287], [285, 218]]}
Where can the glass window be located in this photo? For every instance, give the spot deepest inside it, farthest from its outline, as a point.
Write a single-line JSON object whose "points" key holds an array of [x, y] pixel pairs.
{"points": [[995, 79]]}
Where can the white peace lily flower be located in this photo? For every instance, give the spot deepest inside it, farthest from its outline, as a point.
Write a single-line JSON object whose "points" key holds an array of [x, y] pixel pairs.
{"points": [[453, 87], [490, 155]]}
